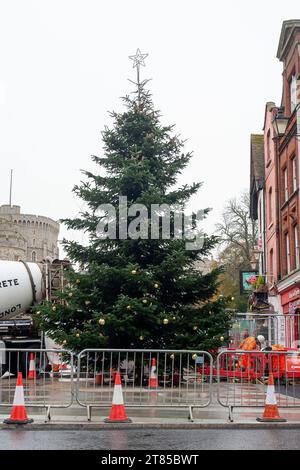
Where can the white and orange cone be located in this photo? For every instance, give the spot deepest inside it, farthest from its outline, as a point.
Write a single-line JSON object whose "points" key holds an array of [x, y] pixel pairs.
{"points": [[153, 380], [117, 412], [271, 413], [18, 413], [32, 372]]}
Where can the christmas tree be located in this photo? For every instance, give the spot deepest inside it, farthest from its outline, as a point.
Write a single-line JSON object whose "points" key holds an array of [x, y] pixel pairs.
{"points": [[137, 291]]}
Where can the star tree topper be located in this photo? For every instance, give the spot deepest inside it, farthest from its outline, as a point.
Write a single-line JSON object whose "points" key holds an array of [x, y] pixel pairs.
{"points": [[138, 60]]}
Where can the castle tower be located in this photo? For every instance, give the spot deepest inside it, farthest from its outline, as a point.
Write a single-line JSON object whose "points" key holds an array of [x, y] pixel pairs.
{"points": [[27, 237]]}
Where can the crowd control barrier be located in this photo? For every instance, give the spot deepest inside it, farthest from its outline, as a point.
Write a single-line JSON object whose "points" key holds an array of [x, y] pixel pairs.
{"points": [[47, 377], [150, 378], [242, 378]]}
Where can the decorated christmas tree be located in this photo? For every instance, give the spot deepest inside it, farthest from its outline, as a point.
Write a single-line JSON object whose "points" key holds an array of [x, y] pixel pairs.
{"points": [[134, 286]]}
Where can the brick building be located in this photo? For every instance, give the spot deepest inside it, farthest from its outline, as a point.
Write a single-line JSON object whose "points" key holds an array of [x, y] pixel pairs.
{"points": [[280, 188], [272, 252], [288, 168]]}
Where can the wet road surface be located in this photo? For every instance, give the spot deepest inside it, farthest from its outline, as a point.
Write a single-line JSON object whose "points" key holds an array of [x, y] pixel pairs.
{"points": [[198, 439]]}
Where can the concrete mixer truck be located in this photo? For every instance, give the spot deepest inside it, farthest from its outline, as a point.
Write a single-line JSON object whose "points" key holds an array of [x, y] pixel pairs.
{"points": [[23, 285]]}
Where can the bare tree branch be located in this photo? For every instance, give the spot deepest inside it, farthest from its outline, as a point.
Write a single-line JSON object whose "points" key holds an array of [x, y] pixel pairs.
{"points": [[237, 231]]}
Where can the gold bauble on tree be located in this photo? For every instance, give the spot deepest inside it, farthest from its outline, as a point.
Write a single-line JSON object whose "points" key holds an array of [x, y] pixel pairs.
{"points": [[77, 281], [141, 338], [71, 294], [194, 357], [87, 302], [101, 321], [222, 338], [165, 321], [145, 301], [128, 307], [54, 308], [156, 286], [134, 271], [77, 335]]}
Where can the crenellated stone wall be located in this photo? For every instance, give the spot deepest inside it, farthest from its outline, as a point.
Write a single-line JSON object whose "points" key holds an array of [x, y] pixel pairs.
{"points": [[27, 237]]}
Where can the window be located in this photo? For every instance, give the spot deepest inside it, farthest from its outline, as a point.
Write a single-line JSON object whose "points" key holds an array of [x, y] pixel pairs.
{"points": [[293, 93], [294, 173], [271, 263], [270, 206], [285, 185], [259, 216], [296, 241], [268, 145], [287, 252], [33, 256]]}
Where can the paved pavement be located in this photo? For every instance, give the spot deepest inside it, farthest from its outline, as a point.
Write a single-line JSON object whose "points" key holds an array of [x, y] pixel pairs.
{"points": [[264, 439], [59, 392]]}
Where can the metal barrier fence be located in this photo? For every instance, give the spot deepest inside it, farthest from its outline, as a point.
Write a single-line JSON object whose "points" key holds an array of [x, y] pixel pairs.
{"points": [[161, 379], [276, 328], [242, 378], [45, 386], [184, 378]]}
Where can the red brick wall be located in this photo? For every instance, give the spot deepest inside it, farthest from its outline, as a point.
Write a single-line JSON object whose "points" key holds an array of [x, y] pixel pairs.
{"points": [[288, 148]]}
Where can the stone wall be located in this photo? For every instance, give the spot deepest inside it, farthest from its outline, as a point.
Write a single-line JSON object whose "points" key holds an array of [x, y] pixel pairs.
{"points": [[26, 236]]}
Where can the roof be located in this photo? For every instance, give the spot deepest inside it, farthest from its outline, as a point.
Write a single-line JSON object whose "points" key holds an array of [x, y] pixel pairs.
{"points": [[257, 171], [257, 156], [287, 32]]}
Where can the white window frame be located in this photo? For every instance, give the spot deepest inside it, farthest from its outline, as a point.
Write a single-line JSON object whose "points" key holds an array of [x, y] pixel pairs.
{"points": [[293, 93], [288, 255], [294, 171], [296, 239], [270, 208], [285, 184]]}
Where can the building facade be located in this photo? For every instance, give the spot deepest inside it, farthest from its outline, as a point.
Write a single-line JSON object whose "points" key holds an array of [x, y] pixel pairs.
{"points": [[257, 194], [272, 251], [288, 167], [281, 188], [27, 237]]}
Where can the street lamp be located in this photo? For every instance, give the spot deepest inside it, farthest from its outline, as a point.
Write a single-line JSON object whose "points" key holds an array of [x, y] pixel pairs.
{"points": [[280, 123], [255, 258], [253, 265]]}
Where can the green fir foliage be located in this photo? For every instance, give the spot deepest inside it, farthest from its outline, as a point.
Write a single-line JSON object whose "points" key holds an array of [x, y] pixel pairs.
{"points": [[136, 293]]}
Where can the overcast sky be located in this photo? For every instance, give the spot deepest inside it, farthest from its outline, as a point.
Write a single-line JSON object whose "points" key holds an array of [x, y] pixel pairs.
{"points": [[64, 64]]}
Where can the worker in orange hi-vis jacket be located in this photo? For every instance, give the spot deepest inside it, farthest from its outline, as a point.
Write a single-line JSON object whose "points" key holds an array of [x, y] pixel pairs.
{"points": [[248, 344], [278, 360]]}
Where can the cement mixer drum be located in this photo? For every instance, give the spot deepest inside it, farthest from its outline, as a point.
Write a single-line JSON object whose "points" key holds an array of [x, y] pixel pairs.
{"points": [[21, 287]]}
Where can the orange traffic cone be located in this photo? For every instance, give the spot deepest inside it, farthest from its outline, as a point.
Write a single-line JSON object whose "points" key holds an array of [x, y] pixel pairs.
{"points": [[117, 412], [153, 380], [271, 413], [31, 373], [18, 413]]}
